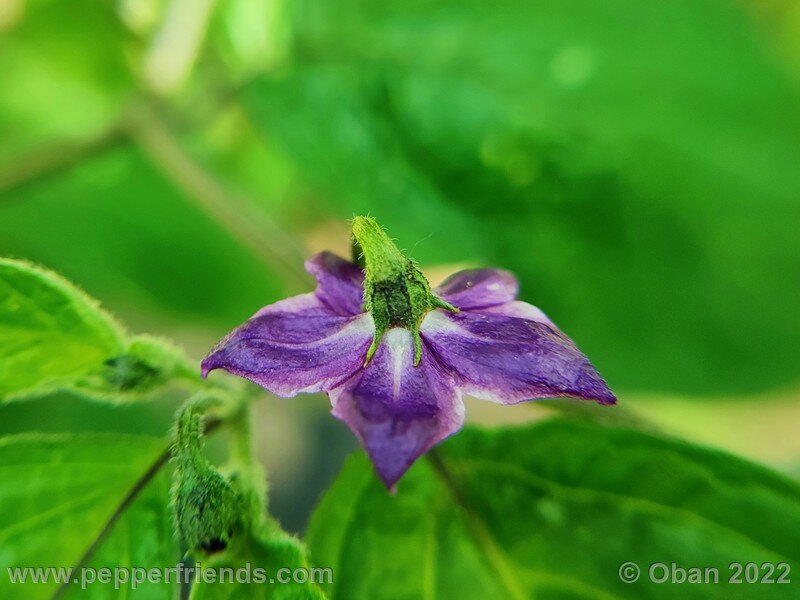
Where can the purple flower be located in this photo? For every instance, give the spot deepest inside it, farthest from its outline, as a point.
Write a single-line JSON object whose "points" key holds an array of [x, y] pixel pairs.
{"points": [[395, 357]]}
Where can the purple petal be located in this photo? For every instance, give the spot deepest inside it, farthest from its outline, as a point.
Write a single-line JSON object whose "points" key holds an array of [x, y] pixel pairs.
{"points": [[398, 410], [478, 288], [296, 345], [508, 359], [340, 282]]}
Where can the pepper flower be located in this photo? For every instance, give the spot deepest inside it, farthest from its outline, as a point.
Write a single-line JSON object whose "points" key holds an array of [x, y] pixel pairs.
{"points": [[395, 356]]}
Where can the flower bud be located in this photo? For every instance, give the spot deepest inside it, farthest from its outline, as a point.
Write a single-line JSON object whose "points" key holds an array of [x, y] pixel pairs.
{"points": [[207, 509]]}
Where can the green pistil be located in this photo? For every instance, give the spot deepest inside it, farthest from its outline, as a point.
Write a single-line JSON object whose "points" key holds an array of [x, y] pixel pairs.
{"points": [[395, 290]]}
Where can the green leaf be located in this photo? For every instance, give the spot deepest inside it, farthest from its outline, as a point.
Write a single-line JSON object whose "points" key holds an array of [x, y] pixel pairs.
{"points": [[93, 499], [552, 511], [49, 330], [53, 336], [267, 548], [59, 492], [143, 538]]}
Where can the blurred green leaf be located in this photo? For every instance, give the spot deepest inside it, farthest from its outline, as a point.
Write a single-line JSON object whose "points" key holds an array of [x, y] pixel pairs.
{"points": [[57, 494], [326, 119], [635, 169], [552, 511], [65, 73], [49, 329], [118, 226]]}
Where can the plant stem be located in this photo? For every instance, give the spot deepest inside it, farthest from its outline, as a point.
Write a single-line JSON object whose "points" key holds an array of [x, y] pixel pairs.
{"points": [[238, 215], [41, 164]]}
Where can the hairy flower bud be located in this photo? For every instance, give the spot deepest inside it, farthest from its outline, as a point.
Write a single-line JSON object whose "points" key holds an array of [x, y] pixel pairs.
{"points": [[207, 509]]}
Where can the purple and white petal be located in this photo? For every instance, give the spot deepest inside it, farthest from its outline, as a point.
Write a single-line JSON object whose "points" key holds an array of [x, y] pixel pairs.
{"points": [[478, 288], [339, 282], [398, 410], [295, 345], [508, 359], [521, 310]]}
